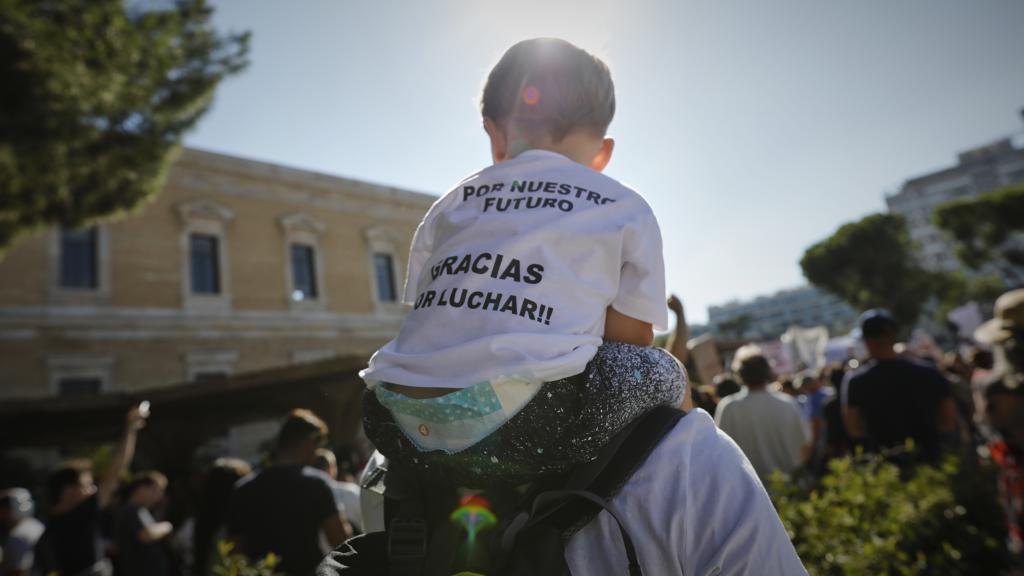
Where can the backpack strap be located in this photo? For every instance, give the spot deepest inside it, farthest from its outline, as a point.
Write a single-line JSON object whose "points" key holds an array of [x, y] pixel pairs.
{"points": [[405, 523], [407, 539], [605, 476], [594, 499], [591, 486]]}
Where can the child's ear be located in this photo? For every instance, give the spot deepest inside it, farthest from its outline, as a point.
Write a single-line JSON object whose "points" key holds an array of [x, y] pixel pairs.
{"points": [[603, 156], [499, 140]]}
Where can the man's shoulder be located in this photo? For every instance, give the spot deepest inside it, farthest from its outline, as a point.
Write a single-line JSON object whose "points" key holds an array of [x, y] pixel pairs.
{"points": [[694, 443], [693, 439], [921, 366], [786, 403], [696, 486], [316, 477], [734, 399], [28, 530], [920, 372], [349, 488], [300, 480], [862, 372]]}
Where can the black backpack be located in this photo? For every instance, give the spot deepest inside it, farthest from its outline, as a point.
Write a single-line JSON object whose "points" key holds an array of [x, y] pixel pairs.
{"points": [[524, 531]]}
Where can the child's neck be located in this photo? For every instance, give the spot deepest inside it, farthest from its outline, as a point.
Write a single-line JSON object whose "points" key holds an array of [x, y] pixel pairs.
{"points": [[578, 146]]}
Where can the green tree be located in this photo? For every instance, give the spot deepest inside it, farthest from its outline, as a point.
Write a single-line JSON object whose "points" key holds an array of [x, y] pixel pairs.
{"points": [[95, 96], [870, 264], [982, 229]]}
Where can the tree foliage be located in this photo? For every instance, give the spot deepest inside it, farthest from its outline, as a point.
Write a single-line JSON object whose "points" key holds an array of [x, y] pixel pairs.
{"points": [[871, 264], [982, 229], [95, 96]]}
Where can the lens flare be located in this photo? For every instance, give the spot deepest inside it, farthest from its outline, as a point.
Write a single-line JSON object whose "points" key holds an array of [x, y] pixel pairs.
{"points": [[474, 516], [531, 95]]}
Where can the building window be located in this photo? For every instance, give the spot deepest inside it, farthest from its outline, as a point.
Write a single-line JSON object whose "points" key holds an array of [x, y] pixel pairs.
{"points": [[79, 386], [79, 374], [205, 265], [303, 264], [383, 260], [210, 366], [1015, 176], [384, 272], [303, 273], [79, 265], [78, 259]]}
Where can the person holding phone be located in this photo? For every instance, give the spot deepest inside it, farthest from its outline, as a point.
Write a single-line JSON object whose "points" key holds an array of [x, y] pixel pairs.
{"points": [[71, 544]]}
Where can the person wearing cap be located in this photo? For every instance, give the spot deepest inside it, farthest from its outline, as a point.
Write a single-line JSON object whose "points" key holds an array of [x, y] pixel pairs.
{"points": [[1004, 408], [21, 530], [893, 398]]}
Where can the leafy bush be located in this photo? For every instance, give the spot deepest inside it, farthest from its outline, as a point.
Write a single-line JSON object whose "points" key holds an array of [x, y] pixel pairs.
{"points": [[235, 564], [868, 517]]}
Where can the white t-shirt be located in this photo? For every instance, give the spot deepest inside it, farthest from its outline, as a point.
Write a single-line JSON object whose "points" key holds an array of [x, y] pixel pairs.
{"points": [[768, 426], [510, 275], [346, 494], [695, 507]]}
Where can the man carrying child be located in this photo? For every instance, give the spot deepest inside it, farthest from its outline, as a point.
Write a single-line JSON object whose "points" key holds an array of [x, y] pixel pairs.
{"points": [[536, 284]]}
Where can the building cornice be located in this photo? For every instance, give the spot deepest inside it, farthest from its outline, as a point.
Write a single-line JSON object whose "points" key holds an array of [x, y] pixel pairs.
{"points": [[302, 221], [337, 186], [203, 208]]}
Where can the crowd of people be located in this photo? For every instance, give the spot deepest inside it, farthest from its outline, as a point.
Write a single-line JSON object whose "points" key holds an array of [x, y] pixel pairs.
{"points": [[795, 423], [294, 509], [909, 406]]}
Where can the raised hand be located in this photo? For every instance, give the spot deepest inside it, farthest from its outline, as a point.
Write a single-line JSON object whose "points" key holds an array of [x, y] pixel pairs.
{"points": [[676, 306]]}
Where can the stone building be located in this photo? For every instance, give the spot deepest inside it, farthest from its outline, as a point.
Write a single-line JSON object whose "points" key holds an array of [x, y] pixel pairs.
{"points": [[977, 171], [767, 317], [236, 266]]}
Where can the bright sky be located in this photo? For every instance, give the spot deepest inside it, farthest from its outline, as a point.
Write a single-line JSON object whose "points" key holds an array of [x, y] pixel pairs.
{"points": [[753, 128]]}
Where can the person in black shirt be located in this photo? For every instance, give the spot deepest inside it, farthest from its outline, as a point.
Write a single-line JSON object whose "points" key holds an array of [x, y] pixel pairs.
{"points": [[212, 512], [139, 535], [282, 509], [892, 398], [71, 545]]}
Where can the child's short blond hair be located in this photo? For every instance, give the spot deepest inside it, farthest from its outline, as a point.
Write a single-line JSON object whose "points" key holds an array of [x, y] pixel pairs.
{"points": [[551, 87]]}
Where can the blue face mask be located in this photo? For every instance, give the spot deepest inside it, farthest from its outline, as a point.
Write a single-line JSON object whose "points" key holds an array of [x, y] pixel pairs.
{"points": [[456, 421]]}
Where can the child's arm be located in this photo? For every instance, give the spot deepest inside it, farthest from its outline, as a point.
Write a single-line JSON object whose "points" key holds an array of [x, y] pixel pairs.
{"points": [[622, 328]]}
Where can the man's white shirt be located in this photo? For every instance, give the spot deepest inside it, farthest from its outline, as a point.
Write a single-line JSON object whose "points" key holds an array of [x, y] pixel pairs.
{"points": [[511, 272], [768, 426]]}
